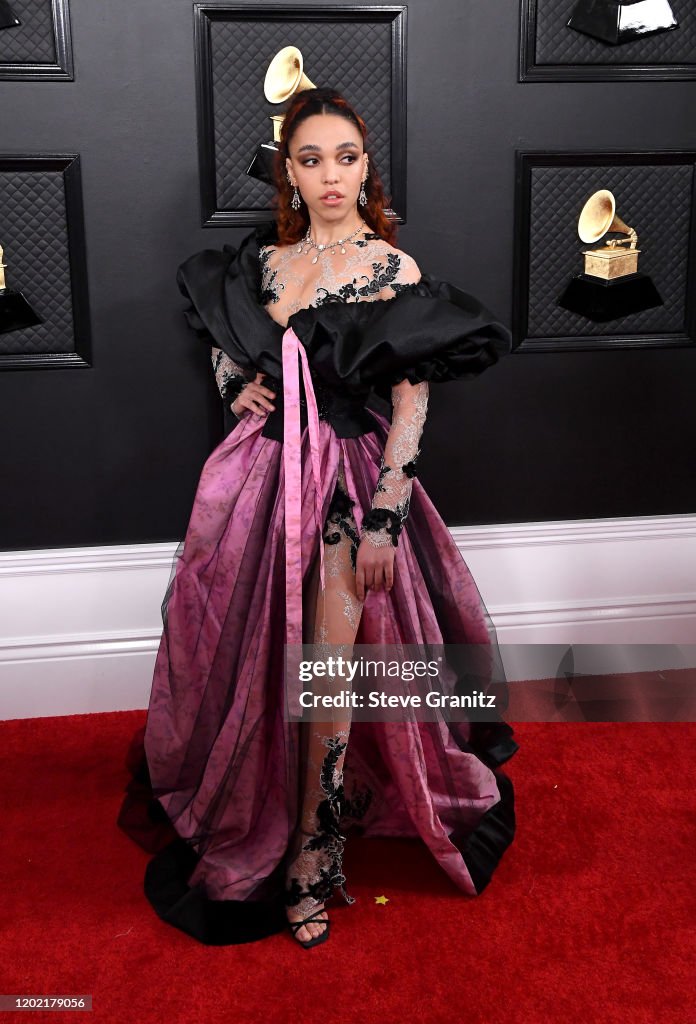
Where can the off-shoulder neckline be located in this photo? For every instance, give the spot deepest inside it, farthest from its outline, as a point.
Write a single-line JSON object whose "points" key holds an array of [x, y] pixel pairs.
{"points": [[412, 287]]}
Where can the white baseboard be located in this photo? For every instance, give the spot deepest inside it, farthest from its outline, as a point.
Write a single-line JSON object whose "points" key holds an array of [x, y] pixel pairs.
{"points": [[81, 626]]}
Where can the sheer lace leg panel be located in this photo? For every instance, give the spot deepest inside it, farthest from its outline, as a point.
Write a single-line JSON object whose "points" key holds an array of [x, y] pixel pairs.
{"points": [[317, 864]]}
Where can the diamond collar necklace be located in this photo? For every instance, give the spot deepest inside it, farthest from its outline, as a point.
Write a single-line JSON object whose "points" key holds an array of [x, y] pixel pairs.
{"points": [[311, 244]]}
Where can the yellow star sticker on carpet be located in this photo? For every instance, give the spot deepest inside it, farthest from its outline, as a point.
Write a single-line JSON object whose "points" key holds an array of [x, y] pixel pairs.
{"points": [[381, 899]]}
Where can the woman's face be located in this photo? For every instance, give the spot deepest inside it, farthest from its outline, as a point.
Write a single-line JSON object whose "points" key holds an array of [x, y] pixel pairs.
{"points": [[326, 154]]}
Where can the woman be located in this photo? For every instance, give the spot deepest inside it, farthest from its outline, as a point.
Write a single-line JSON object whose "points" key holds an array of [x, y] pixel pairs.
{"points": [[309, 526]]}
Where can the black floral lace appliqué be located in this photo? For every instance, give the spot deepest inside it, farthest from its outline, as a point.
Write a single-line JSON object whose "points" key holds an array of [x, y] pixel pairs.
{"points": [[384, 518], [381, 277], [269, 288], [327, 839], [401, 286], [409, 468], [340, 518], [392, 521], [357, 807], [370, 236]]}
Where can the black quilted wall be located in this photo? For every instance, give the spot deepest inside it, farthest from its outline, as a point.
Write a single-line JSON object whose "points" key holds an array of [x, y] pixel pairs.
{"points": [[43, 242], [347, 51], [108, 449], [34, 42], [558, 44], [34, 237]]}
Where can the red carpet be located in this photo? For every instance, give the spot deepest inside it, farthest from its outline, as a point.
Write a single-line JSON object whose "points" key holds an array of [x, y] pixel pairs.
{"points": [[589, 915]]}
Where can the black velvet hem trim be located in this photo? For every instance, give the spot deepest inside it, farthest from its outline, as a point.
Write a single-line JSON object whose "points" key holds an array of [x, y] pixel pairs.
{"points": [[492, 742], [212, 922], [483, 848]]}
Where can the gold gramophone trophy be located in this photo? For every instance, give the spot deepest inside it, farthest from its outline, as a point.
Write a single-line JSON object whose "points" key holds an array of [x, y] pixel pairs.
{"points": [[285, 76], [15, 311], [622, 21], [611, 285]]}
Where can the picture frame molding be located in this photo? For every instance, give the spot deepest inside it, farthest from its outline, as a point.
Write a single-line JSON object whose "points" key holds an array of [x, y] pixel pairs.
{"points": [[63, 70], [68, 164], [525, 161], [530, 71], [204, 14]]}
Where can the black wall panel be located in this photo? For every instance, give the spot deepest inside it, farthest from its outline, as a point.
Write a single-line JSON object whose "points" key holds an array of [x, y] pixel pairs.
{"points": [[110, 452]]}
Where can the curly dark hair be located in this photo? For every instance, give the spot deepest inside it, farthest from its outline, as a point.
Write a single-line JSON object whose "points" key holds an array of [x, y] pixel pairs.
{"points": [[292, 224]]}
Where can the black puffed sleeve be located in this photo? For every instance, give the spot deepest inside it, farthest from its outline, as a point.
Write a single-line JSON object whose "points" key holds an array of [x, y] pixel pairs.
{"points": [[430, 331], [222, 287]]}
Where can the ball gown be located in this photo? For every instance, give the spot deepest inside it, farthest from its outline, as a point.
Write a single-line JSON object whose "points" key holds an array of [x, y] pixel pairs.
{"points": [[245, 811]]}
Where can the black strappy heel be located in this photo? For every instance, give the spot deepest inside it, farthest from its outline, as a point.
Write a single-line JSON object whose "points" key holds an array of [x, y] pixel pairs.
{"points": [[322, 937]]}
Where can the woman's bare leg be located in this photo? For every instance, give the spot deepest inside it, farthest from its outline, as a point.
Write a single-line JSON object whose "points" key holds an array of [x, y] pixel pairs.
{"points": [[318, 842]]}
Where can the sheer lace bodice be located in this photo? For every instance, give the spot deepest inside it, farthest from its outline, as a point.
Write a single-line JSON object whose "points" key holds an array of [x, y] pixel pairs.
{"points": [[369, 270]]}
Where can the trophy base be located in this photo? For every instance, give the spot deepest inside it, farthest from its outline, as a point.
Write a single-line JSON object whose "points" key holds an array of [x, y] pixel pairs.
{"points": [[622, 21], [15, 312], [601, 300], [263, 162], [609, 264]]}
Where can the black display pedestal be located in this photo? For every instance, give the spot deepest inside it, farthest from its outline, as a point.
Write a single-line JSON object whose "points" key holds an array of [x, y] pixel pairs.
{"points": [[601, 300]]}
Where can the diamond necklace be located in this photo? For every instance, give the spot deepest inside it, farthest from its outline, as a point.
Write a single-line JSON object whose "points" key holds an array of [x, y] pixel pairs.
{"points": [[311, 244]]}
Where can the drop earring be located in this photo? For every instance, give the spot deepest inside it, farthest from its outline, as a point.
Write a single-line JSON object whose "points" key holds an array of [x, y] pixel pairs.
{"points": [[362, 197], [295, 202]]}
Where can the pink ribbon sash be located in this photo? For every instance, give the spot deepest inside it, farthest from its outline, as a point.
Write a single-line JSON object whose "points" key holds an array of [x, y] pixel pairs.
{"points": [[292, 462]]}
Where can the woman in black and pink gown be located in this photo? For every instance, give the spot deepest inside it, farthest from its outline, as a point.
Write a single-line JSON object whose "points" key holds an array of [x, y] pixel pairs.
{"points": [[310, 526]]}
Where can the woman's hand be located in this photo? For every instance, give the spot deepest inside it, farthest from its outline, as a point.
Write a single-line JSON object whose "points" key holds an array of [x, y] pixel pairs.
{"points": [[374, 568], [253, 396]]}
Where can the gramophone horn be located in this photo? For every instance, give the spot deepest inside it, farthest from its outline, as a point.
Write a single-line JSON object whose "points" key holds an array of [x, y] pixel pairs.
{"points": [[285, 75], [598, 216]]}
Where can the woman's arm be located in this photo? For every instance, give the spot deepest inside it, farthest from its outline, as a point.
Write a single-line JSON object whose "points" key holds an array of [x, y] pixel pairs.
{"points": [[231, 379], [383, 523], [390, 503]]}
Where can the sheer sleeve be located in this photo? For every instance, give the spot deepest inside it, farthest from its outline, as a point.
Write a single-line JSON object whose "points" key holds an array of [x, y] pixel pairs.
{"points": [[390, 503], [230, 377]]}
